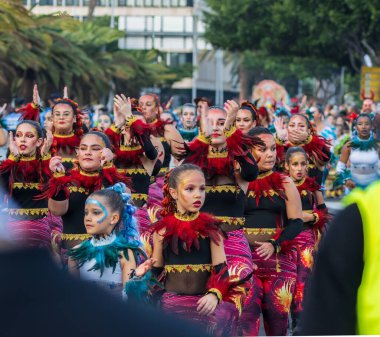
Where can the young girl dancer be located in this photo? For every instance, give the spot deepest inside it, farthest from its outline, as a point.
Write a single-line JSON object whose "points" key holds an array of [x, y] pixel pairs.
{"points": [[314, 213], [113, 255]]}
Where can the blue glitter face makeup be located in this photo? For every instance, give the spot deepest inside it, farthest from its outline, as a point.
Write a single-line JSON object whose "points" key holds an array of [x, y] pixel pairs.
{"points": [[101, 206]]}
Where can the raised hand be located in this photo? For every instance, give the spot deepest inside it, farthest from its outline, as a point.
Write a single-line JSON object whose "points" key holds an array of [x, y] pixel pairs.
{"points": [[12, 145], [36, 96], [232, 108], [55, 165], [281, 130], [106, 157], [45, 148], [205, 125], [2, 109], [65, 92], [124, 104], [143, 268]]}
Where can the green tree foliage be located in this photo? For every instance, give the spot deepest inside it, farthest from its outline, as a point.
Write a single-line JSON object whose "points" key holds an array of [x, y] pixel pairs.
{"points": [[57, 50]]}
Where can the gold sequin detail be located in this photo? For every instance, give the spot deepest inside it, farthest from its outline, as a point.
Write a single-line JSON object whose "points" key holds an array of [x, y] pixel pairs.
{"points": [[173, 268]]}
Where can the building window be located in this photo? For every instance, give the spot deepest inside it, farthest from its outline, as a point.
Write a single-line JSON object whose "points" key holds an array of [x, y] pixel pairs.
{"points": [[140, 3], [135, 43], [173, 24], [135, 23], [148, 3], [72, 2], [46, 2], [172, 43]]}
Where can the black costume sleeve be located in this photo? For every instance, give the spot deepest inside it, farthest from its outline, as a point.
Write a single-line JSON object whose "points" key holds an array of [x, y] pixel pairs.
{"points": [[291, 230], [330, 300], [249, 169], [149, 149], [156, 168]]}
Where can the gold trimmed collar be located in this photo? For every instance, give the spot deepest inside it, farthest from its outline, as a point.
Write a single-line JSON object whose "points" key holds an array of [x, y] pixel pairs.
{"points": [[300, 182], [24, 158], [88, 174], [186, 217], [264, 174], [71, 134]]}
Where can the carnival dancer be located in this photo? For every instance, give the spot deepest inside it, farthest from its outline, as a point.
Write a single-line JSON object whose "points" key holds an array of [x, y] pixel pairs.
{"points": [[222, 151], [23, 176], [247, 117], [170, 138], [67, 125], [300, 133], [188, 246], [315, 214], [114, 254], [358, 164], [189, 129], [137, 152], [68, 189], [273, 218]]}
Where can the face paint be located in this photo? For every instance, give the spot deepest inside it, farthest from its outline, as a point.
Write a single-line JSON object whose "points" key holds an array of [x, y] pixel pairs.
{"points": [[101, 206]]}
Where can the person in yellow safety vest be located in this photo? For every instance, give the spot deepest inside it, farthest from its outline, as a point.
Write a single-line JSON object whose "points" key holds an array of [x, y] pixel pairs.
{"points": [[343, 297]]}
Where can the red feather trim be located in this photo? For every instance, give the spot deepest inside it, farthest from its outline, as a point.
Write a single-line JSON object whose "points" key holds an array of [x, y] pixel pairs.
{"points": [[132, 157], [112, 177], [56, 185], [157, 128], [198, 152], [139, 128], [114, 137], [263, 186], [64, 143], [220, 166], [204, 225], [318, 149], [309, 185], [90, 182], [239, 144], [323, 217], [280, 150], [225, 284], [30, 112]]}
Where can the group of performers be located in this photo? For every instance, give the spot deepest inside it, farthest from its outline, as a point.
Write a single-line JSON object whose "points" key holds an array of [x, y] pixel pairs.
{"points": [[225, 237]]}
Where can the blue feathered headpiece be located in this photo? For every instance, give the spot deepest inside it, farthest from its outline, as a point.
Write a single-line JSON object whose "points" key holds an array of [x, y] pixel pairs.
{"points": [[129, 228], [283, 111]]}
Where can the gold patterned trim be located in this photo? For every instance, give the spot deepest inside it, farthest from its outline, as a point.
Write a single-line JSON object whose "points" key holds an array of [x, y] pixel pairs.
{"points": [[278, 140], [163, 139], [71, 237], [89, 174], [13, 157], [174, 268], [115, 129], [29, 186], [316, 217], [46, 156], [310, 211], [129, 121], [222, 188], [139, 196], [217, 154], [68, 160], [164, 170], [202, 138], [258, 231], [186, 217], [265, 174], [216, 292], [311, 166], [230, 132], [127, 148], [64, 136], [79, 189], [34, 106], [58, 174], [303, 193], [271, 193], [28, 211], [232, 220], [299, 183], [133, 171], [23, 158]]}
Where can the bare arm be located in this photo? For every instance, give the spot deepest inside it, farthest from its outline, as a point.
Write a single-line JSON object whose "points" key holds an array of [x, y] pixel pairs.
{"points": [[218, 255], [345, 154], [293, 204], [149, 164], [3, 137], [58, 208], [127, 265], [158, 247], [175, 140]]}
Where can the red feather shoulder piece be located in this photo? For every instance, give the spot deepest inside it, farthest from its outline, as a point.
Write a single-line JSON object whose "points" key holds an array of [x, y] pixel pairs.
{"points": [[61, 142], [30, 112], [158, 128], [317, 148], [309, 185], [268, 184], [189, 229], [111, 176]]}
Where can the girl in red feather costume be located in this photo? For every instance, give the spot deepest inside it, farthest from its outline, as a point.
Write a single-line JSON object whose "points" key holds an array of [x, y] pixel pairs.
{"points": [[314, 213], [23, 176], [188, 246], [299, 132], [273, 218], [68, 189]]}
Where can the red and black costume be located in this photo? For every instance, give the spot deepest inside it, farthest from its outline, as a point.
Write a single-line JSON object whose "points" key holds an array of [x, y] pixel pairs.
{"points": [[75, 186], [318, 153], [274, 280], [226, 201], [188, 270], [307, 241], [29, 220]]}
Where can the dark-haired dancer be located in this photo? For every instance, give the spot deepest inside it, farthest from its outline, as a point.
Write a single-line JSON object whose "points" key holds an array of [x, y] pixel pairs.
{"points": [[314, 217], [299, 132], [189, 129], [188, 246], [359, 160], [23, 176], [68, 190], [170, 138], [222, 151], [67, 127], [113, 255], [273, 218], [247, 117]]}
